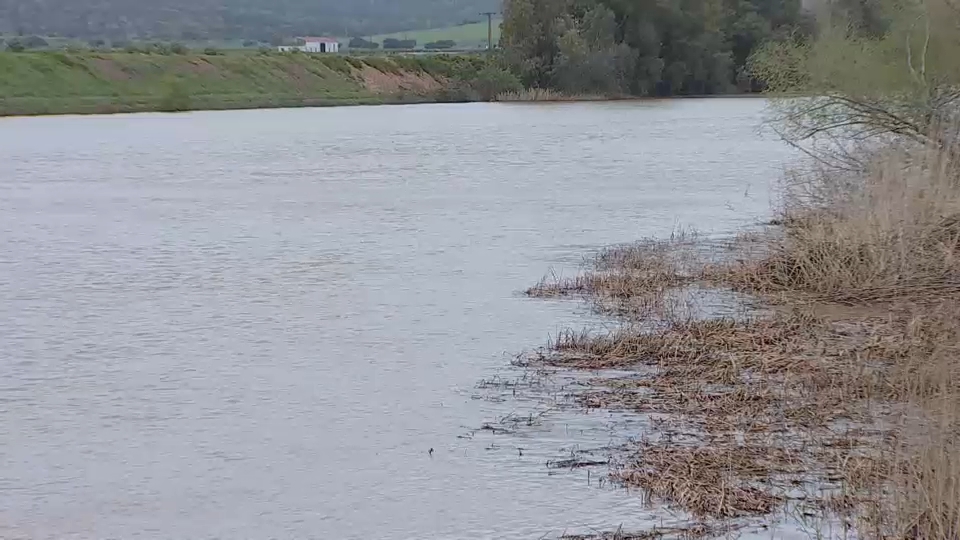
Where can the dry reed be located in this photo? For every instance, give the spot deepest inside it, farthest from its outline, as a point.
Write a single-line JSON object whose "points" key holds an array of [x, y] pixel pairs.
{"points": [[545, 95], [893, 234]]}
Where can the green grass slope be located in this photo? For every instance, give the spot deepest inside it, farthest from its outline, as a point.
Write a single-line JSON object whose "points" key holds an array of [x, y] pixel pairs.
{"points": [[93, 82]]}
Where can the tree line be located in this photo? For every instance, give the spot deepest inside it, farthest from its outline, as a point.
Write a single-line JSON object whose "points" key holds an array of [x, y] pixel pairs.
{"points": [[644, 47]]}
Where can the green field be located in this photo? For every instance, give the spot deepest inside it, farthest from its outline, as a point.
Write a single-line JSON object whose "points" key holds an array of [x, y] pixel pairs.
{"points": [[467, 35], [55, 82]]}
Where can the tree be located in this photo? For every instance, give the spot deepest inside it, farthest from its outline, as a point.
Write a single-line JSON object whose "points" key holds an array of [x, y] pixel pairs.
{"points": [[904, 84], [645, 47], [393, 43], [590, 58], [530, 36], [441, 44], [360, 43]]}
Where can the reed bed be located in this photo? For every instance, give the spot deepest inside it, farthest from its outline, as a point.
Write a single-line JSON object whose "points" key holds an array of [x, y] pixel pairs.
{"points": [[849, 388]]}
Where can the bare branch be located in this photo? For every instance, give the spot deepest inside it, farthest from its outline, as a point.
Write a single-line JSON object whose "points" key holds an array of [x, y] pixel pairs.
{"points": [[926, 46]]}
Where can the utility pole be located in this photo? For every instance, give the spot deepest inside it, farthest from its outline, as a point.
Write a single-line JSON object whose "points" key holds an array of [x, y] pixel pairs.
{"points": [[489, 15]]}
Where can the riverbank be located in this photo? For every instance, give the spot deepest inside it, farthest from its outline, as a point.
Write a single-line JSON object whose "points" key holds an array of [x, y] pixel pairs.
{"points": [[91, 82], [37, 83], [826, 389]]}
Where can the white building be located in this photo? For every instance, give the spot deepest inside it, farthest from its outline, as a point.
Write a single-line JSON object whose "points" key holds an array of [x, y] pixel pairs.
{"points": [[313, 45]]}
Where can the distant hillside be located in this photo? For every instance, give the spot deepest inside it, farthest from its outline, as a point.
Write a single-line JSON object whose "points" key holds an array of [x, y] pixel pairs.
{"points": [[465, 35], [231, 19]]}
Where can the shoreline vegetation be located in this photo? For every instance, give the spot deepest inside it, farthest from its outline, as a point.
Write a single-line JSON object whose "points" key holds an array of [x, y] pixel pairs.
{"points": [[825, 393], [66, 83], [60, 83]]}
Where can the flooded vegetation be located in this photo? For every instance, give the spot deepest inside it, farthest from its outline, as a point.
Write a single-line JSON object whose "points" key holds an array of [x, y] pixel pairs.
{"points": [[838, 403]]}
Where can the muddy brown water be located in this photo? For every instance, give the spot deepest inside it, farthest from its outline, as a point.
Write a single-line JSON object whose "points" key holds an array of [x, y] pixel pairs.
{"points": [[257, 324]]}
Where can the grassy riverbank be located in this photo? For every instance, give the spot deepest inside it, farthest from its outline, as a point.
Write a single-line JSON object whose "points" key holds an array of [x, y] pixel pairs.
{"points": [[107, 82]]}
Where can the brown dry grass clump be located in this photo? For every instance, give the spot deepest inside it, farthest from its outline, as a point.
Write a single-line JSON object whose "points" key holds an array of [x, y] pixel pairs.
{"points": [[852, 384], [719, 481], [624, 271], [632, 280], [545, 95], [692, 532]]}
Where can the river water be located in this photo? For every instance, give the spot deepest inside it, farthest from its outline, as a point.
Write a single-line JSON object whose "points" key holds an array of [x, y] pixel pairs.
{"points": [[257, 324]]}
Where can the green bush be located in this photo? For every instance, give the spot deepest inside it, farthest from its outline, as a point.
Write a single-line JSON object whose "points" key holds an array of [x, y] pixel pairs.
{"points": [[392, 43], [211, 51], [360, 43], [492, 81]]}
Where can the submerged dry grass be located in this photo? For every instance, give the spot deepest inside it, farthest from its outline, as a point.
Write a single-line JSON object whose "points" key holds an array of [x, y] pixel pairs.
{"points": [[545, 95], [844, 399]]}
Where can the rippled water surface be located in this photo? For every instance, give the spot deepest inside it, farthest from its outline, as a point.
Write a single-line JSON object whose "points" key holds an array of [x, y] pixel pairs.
{"points": [[256, 324]]}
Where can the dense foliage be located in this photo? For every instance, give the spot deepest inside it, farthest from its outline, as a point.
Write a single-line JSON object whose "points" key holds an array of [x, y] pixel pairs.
{"points": [[440, 44], [393, 43], [360, 43], [244, 19], [644, 47]]}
